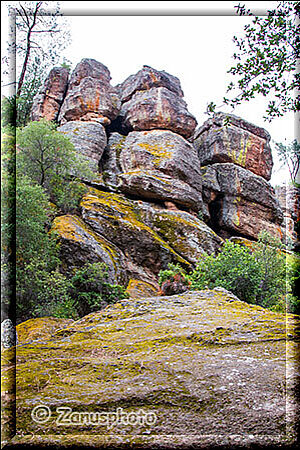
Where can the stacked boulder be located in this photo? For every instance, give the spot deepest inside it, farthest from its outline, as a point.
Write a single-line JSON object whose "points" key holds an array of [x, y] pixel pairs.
{"points": [[236, 162], [89, 104], [48, 101], [150, 199], [154, 161]]}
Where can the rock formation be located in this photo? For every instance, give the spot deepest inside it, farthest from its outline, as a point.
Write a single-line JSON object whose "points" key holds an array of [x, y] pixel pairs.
{"points": [[154, 100], [89, 95], [198, 361], [236, 162], [163, 191], [48, 101], [227, 138]]}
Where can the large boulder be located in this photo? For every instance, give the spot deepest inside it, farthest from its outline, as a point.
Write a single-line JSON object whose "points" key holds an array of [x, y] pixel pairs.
{"points": [[188, 235], [145, 79], [90, 95], [89, 139], [79, 245], [158, 108], [156, 165], [240, 202], [119, 220], [47, 103], [227, 138], [201, 361]]}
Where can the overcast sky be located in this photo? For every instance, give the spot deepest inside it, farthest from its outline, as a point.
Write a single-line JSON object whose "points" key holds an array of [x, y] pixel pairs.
{"points": [[197, 48]]}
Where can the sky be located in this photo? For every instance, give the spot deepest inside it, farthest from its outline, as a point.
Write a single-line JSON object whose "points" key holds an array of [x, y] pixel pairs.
{"points": [[195, 45]]}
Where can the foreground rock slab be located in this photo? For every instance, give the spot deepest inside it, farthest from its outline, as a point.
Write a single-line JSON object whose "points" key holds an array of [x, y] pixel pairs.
{"points": [[207, 368]]}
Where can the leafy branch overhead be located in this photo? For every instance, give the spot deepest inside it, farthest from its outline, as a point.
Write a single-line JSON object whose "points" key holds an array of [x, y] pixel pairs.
{"points": [[266, 60]]}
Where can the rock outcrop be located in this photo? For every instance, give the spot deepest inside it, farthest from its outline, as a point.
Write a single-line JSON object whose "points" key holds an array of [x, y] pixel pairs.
{"points": [[239, 202], [162, 191], [90, 95], [228, 138], [236, 162], [156, 165], [89, 140], [209, 370], [154, 100], [48, 101]]}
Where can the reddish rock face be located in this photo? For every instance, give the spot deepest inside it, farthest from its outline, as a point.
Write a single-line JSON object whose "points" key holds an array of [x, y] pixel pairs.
{"points": [[240, 202], [238, 216], [90, 94], [145, 79], [238, 142], [158, 108], [47, 102]]}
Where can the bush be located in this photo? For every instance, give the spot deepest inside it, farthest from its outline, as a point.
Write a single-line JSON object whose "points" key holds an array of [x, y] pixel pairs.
{"points": [[258, 275], [234, 269], [92, 291], [86, 291]]}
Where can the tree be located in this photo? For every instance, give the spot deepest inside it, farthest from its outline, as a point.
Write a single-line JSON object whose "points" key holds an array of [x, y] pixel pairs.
{"points": [[267, 59], [49, 159], [256, 275], [290, 155], [38, 36]]}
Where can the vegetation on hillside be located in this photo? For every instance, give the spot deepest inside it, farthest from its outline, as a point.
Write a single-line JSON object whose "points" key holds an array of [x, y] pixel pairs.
{"points": [[263, 274]]}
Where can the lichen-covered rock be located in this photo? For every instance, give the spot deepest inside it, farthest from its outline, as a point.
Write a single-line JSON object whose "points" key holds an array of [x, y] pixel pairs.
{"points": [[230, 179], [119, 220], [156, 186], [227, 138], [145, 79], [89, 139], [40, 328], [79, 244], [139, 289], [161, 150], [90, 95], [47, 102], [158, 108], [240, 202], [156, 165], [187, 234], [197, 361], [235, 215]]}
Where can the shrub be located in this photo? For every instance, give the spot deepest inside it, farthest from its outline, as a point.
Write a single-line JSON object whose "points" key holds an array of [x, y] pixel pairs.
{"points": [[54, 294], [92, 291], [259, 274], [234, 269]]}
